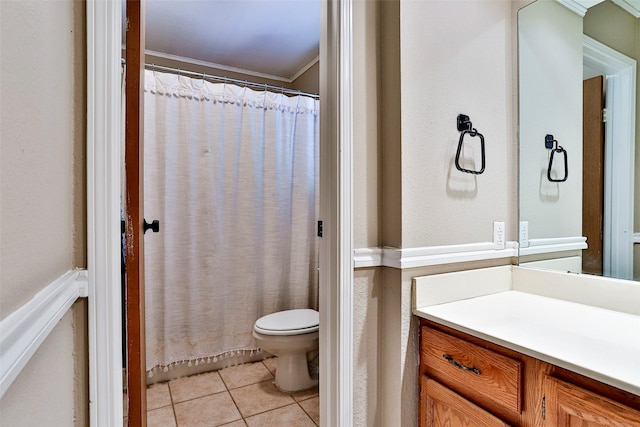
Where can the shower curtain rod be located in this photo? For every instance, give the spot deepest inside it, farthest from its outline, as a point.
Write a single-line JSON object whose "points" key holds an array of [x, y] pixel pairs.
{"points": [[239, 82]]}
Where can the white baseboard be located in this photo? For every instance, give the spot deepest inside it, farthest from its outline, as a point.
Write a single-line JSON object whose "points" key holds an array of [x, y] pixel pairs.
{"points": [[431, 255], [24, 330]]}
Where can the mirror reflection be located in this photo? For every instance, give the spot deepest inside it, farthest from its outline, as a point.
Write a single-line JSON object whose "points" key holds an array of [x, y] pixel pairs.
{"points": [[579, 113]]}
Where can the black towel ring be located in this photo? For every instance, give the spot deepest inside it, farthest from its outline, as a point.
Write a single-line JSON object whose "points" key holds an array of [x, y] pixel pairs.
{"points": [[464, 125], [548, 143]]}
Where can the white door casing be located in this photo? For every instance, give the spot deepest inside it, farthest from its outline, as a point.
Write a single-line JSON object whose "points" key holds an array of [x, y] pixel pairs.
{"points": [[104, 24]]}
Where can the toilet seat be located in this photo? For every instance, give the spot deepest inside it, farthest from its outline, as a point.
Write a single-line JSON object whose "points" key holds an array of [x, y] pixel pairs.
{"points": [[288, 322]]}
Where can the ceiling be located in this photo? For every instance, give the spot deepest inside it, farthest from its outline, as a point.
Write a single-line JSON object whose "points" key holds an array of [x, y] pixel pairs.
{"points": [[274, 37]]}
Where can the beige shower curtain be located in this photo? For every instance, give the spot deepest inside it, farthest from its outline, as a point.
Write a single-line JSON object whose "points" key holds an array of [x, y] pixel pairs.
{"points": [[232, 175]]}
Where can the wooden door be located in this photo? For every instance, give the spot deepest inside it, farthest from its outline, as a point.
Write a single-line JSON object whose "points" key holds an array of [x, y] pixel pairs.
{"points": [[134, 127], [592, 174], [568, 405], [444, 407]]}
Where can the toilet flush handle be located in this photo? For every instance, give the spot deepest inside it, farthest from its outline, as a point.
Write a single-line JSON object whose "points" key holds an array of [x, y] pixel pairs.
{"points": [[154, 226]]}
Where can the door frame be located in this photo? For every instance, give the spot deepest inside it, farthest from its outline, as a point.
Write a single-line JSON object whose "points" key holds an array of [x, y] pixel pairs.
{"points": [[104, 109], [620, 73], [104, 26]]}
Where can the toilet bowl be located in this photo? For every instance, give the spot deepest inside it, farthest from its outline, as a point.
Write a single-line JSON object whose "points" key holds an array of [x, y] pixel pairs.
{"points": [[290, 335]]}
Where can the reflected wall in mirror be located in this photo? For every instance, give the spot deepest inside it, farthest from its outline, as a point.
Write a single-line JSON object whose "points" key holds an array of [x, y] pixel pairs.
{"points": [[579, 102]]}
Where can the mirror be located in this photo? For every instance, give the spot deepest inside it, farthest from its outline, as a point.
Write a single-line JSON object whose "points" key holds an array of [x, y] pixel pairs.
{"points": [[579, 111]]}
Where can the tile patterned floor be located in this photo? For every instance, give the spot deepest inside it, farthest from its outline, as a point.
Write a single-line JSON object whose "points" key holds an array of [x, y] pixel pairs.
{"points": [[239, 396]]}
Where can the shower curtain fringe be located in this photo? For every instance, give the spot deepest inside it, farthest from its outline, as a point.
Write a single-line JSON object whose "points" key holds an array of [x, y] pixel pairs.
{"points": [[203, 360]]}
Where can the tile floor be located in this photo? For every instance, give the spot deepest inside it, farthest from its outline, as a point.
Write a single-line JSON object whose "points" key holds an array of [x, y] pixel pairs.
{"points": [[242, 395]]}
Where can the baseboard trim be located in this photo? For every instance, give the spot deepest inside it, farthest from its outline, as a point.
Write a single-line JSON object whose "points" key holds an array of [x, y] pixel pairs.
{"points": [[559, 244], [24, 330], [367, 257], [431, 255]]}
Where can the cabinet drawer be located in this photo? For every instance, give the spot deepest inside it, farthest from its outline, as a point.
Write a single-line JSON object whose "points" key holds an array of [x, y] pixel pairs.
{"points": [[443, 407], [477, 373]]}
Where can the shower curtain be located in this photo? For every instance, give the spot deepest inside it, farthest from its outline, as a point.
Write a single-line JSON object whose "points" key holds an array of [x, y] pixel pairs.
{"points": [[231, 173]]}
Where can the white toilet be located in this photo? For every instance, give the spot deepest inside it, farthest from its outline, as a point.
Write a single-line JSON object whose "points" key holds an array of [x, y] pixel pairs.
{"points": [[290, 335]]}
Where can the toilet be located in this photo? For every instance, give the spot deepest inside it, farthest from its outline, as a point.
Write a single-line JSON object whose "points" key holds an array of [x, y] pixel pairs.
{"points": [[290, 335]]}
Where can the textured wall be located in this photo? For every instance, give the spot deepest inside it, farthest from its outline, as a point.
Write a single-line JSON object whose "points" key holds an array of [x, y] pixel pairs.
{"points": [[42, 189], [456, 57], [366, 182], [42, 136], [367, 339], [41, 395]]}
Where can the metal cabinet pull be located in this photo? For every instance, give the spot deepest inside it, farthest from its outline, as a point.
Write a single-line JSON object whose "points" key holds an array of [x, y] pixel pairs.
{"points": [[460, 365]]}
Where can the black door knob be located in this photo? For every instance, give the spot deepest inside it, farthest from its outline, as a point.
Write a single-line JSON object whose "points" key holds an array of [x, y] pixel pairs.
{"points": [[154, 226]]}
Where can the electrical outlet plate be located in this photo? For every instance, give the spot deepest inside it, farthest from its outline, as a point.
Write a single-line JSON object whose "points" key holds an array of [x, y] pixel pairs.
{"points": [[498, 235], [524, 234]]}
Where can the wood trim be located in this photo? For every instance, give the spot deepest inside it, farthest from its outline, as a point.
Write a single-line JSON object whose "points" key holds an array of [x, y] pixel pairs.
{"points": [[405, 258], [134, 134], [437, 255], [23, 331], [574, 7], [554, 244]]}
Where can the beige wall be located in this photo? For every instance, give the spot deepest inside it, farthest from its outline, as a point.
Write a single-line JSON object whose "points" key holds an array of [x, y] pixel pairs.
{"points": [[390, 131], [198, 68], [42, 393], [42, 195], [366, 146], [455, 57], [420, 74], [367, 293], [309, 81]]}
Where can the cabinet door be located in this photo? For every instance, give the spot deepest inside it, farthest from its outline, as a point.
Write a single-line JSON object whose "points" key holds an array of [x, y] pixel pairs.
{"points": [[569, 405], [443, 407]]}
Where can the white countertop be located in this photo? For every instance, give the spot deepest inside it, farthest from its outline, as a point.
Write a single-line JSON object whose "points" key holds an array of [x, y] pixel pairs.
{"points": [[600, 343]]}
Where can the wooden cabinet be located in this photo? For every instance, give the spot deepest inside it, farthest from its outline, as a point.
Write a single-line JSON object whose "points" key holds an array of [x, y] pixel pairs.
{"points": [[466, 381], [444, 407], [569, 405], [484, 375]]}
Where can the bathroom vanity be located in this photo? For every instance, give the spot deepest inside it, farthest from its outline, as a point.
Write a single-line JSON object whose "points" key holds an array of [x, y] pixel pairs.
{"points": [[516, 346]]}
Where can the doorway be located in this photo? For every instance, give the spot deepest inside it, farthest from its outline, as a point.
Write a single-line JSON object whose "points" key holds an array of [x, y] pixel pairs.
{"points": [[103, 130], [620, 75]]}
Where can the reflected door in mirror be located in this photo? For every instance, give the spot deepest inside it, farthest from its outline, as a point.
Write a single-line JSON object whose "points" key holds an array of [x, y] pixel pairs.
{"points": [[593, 174]]}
